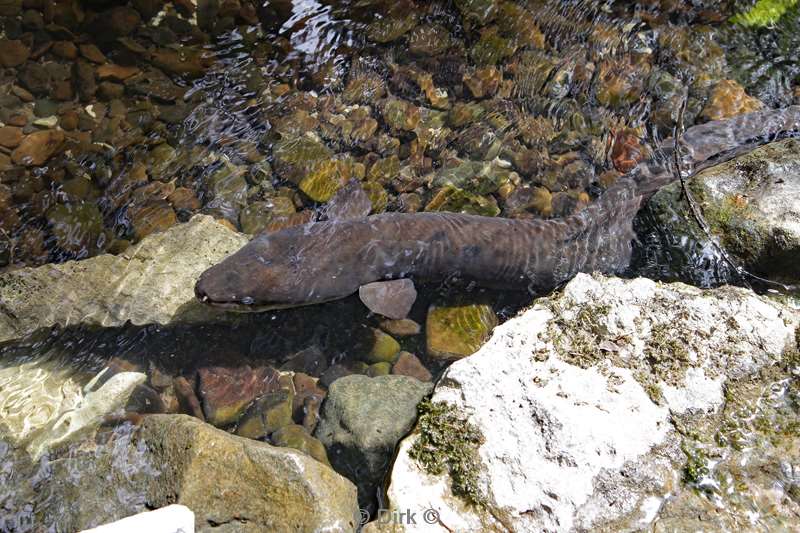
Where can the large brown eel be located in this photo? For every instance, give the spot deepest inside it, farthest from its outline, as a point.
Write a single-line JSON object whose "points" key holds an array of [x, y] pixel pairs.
{"points": [[323, 261]]}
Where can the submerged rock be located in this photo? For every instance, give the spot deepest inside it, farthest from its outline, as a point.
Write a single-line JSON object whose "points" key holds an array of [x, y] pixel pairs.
{"points": [[392, 299], [728, 99], [43, 403], [226, 392], [581, 413], [88, 413], [229, 482], [36, 148], [362, 420], [455, 331], [296, 437], [152, 282], [752, 205]]}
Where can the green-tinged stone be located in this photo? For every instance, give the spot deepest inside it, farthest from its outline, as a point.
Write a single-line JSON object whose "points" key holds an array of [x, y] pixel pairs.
{"points": [[293, 156], [255, 217], [462, 114], [77, 228], [296, 437], [266, 415], [379, 369], [377, 196], [475, 177], [327, 177], [384, 348], [477, 12], [492, 47], [384, 170], [429, 40], [456, 200], [401, 115], [366, 89], [457, 331], [764, 13], [392, 27], [520, 25]]}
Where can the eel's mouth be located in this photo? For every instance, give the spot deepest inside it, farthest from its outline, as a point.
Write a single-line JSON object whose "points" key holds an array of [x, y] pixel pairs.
{"points": [[246, 304], [240, 305]]}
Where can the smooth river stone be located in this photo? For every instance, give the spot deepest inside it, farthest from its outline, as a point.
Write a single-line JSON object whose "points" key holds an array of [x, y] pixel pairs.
{"points": [[226, 392], [457, 331], [392, 299]]}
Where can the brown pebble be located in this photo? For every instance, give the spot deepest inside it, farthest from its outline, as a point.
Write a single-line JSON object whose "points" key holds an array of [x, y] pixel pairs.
{"points": [[17, 120], [408, 364], [404, 327], [184, 198], [65, 49], [92, 53], [10, 137], [69, 120], [187, 399]]}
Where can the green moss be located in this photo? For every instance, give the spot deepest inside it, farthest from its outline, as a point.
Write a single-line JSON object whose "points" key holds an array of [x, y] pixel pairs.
{"points": [[579, 339], [696, 467], [666, 353], [449, 443], [763, 13]]}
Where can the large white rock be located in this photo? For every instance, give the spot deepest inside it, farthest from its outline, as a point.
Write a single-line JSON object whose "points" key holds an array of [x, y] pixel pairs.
{"points": [[576, 399], [169, 519], [152, 282]]}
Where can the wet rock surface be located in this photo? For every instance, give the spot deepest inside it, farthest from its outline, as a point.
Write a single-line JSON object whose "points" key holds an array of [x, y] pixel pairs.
{"points": [[584, 411], [362, 420], [752, 207], [392, 299], [227, 481], [152, 282]]}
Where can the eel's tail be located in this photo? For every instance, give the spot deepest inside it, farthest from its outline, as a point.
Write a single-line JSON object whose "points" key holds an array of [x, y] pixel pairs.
{"points": [[727, 138], [714, 142]]}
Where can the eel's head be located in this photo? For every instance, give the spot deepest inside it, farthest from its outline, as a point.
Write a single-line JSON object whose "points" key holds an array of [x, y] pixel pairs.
{"points": [[289, 268]]}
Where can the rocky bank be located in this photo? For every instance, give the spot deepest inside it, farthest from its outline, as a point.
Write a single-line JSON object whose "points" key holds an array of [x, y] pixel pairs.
{"points": [[614, 405]]}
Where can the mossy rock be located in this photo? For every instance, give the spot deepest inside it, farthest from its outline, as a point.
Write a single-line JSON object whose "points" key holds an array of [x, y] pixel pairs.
{"points": [[474, 177], [747, 203], [401, 115], [378, 196], [266, 415], [384, 348], [326, 177], [456, 331], [492, 47], [764, 13], [457, 200], [294, 155], [390, 28], [296, 437], [379, 369], [77, 228], [384, 170], [477, 12]]}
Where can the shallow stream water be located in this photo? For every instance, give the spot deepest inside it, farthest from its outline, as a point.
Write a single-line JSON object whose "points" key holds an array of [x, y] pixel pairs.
{"points": [[153, 112]]}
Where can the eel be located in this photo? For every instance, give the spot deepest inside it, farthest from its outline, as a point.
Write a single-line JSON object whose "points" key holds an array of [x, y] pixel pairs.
{"points": [[323, 261]]}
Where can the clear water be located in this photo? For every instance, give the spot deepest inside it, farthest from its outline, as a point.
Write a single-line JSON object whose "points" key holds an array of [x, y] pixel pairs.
{"points": [[570, 75]]}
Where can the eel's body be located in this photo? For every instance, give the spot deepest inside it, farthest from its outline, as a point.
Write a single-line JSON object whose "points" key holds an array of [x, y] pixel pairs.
{"points": [[324, 261]]}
